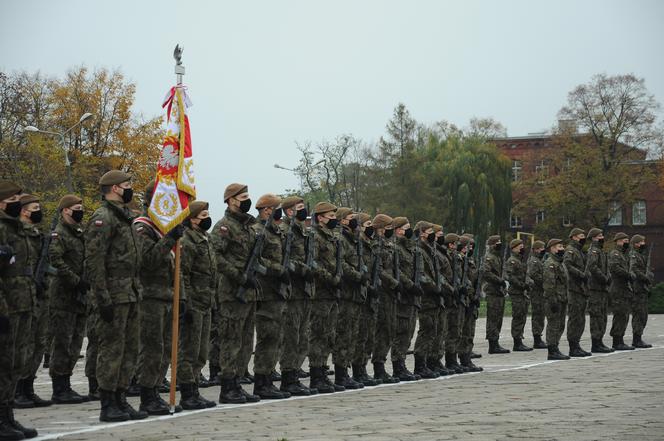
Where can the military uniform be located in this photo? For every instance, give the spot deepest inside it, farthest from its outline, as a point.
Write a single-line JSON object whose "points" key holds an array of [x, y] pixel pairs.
{"points": [[444, 272], [621, 295], [598, 283], [516, 276], [534, 279], [493, 287], [471, 312], [638, 262], [575, 263], [455, 308], [555, 294]]}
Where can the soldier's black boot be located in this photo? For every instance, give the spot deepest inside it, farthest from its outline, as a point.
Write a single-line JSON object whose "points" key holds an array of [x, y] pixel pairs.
{"points": [[93, 389], [317, 381], [110, 412], [421, 368], [467, 363], [21, 400], [619, 345], [476, 355], [275, 375], [457, 358], [400, 371], [215, 379], [60, 393], [203, 382], [554, 354], [202, 399], [27, 432], [188, 399], [381, 374], [150, 403], [229, 393], [134, 389], [437, 367], [520, 347], [575, 350], [264, 388], [603, 348], [452, 364], [341, 378], [7, 430], [637, 342], [123, 405], [72, 392], [495, 348], [251, 398], [360, 375], [247, 378], [291, 384], [177, 408], [301, 373], [539, 343]]}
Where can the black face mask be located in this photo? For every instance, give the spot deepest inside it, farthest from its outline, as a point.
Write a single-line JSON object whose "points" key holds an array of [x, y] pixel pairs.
{"points": [[332, 224], [245, 205], [440, 240], [582, 242], [522, 251], [498, 247], [625, 246], [408, 233], [77, 215], [459, 247], [560, 253], [431, 238], [127, 195], [369, 231], [470, 251], [541, 253], [205, 223], [36, 216], [643, 249], [352, 224], [13, 209], [301, 215], [388, 233], [277, 213], [600, 242]]}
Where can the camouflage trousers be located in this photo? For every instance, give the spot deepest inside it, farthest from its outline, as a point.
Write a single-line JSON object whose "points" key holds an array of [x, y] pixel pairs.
{"points": [[537, 318], [406, 321], [348, 323], [269, 332], [385, 327], [598, 305], [426, 333], [621, 306], [68, 330], [323, 321], [118, 347], [455, 316], [468, 331], [495, 308], [440, 338], [236, 337], [156, 326], [366, 332], [213, 345], [193, 346], [295, 341], [39, 338], [519, 315], [14, 354], [639, 313], [93, 343], [576, 316], [555, 321]]}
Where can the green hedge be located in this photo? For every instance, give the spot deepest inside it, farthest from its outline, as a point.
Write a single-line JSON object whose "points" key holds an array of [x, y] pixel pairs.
{"points": [[656, 300]]}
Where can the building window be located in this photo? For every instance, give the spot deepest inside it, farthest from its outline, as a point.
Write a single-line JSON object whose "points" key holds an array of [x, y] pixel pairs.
{"points": [[567, 221], [567, 164], [516, 170], [615, 213], [515, 221], [542, 171], [539, 217], [639, 213]]}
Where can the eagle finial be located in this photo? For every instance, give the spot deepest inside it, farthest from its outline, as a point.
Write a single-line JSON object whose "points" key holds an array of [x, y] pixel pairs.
{"points": [[177, 54]]}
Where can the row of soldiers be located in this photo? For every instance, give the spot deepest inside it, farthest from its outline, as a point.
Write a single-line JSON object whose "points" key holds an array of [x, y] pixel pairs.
{"points": [[348, 285]]}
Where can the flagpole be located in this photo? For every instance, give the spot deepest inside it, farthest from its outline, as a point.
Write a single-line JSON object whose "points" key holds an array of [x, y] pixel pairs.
{"points": [[179, 72]]}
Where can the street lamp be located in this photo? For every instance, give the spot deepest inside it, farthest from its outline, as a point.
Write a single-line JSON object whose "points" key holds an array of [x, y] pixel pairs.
{"points": [[33, 129], [295, 170]]}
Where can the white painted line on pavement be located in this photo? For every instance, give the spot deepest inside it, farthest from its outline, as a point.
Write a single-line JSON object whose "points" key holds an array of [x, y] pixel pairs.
{"points": [[99, 427]]}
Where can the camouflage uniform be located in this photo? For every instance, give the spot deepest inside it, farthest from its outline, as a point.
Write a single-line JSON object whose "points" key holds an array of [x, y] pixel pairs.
{"points": [[410, 301], [91, 350], [575, 263], [426, 344], [621, 295], [492, 286], [455, 310], [368, 305], [534, 277], [387, 307], [598, 282], [471, 312], [446, 273], [516, 276], [555, 295], [641, 288]]}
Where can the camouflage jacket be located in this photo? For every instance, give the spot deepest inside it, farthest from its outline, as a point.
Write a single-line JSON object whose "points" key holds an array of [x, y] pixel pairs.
{"points": [[638, 264], [67, 254], [18, 290], [620, 273], [575, 262], [233, 239], [326, 260], [297, 257], [472, 277], [113, 255], [431, 272], [598, 267], [406, 249], [516, 274], [554, 280], [352, 278], [199, 268], [367, 258], [271, 258], [389, 283], [492, 269], [534, 275]]}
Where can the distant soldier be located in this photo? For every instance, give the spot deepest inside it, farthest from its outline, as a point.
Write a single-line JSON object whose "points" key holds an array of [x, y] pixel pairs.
{"points": [[621, 294], [599, 278], [643, 279], [575, 264], [494, 286], [534, 281], [69, 298], [112, 262], [555, 297], [516, 276], [455, 309], [444, 275], [17, 301], [471, 311]]}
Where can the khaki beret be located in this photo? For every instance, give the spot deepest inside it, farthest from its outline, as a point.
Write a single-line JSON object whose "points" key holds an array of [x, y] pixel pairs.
{"points": [[451, 238], [342, 212], [423, 225], [399, 221], [362, 218], [594, 232], [234, 190], [635, 239], [268, 200], [8, 189], [195, 208], [28, 199], [437, 228], [515, 243], [538, 244], [553, 242], [463, 240], [114, 177], [381, 221], [291, 201], [468, 235], [576, 231], [619, 236], [324, 207], [492, 240], [69, 200]]}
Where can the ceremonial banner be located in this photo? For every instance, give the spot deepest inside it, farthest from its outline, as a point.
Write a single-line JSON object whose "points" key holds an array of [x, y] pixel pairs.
{"points": [[174, 184]]}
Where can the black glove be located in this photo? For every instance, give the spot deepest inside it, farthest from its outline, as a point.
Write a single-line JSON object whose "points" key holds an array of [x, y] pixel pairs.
{"points": [[6, 253], [106, 313], [554, 308], [177, 232], [82, 286], [4, 324]]}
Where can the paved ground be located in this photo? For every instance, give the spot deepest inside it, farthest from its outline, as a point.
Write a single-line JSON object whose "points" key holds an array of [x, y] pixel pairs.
{"points": [[520, 396]]}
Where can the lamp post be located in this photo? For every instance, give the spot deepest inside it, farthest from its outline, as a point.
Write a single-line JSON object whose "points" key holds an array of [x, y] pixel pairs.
{"points": [[33, 129]]}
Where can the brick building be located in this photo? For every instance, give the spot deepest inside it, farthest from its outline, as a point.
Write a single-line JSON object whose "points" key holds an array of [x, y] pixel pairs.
{"points": [[528, 155]]}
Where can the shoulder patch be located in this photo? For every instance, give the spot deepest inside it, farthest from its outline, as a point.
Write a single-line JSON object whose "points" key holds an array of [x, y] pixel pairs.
{"points": [[99, 223], [223, 230], [54, 235], [594, 251], [570, 251], [139, 229]]}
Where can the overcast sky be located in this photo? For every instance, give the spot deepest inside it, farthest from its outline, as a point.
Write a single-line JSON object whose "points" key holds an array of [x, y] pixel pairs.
{"points": [[263, 75]]}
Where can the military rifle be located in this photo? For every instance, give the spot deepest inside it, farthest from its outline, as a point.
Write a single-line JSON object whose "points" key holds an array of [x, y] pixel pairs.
{"points": [[338, 271], [361, 267], [286, 263], [464, 280], [506, 285], [417, 264], [375, 267], [439, 277], [480, 276], [310, 255], [43, 264], [396, 264], [253, 265]]}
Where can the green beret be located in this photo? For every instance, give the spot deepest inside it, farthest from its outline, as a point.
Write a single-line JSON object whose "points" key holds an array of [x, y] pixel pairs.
{"points": [[634, 240], [399, 221], [8, 189], [195, 208], [114, 177], [451, 238], [362, 218], [538, 244], [576, 231], [69, 200], [515, 243], [492, 240], [291, 201], [342, 212], [234, 190], [594, 232], [268, 200], [619, 236], [381, 221], [553, 242]]}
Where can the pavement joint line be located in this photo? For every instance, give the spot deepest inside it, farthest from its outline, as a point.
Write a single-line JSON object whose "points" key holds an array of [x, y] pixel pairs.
{"points": [[105, 426]]}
